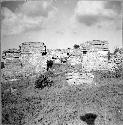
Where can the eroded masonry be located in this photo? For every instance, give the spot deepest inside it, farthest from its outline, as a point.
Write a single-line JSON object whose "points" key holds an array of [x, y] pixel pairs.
{"points": [[32, 57]]}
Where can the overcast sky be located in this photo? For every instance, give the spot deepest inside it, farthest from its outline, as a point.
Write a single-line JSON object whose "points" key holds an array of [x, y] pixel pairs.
{"points": [[61, 23]]}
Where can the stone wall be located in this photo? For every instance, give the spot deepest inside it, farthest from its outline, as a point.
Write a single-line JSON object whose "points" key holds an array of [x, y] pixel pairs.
{"points": [[32, 47], [27, 59], [95, 45], [11, 53], [11, 58], [30, 59], [31, 56], [95, 61]]}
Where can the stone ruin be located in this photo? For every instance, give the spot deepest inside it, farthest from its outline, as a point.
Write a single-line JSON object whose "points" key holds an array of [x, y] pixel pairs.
{"points": [[32, 47], [90, 56], [25, 60], [31, 57], [11, 58], [30, 50], [95, 45]]}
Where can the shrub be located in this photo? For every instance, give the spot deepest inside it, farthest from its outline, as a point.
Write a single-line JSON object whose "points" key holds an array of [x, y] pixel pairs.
{"points": [[42, 82], [49, 64], [2, 65], [76, 46]]}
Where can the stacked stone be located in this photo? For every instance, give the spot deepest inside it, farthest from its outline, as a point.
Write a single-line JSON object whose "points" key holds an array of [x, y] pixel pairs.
{"points": [[77, 78], [74, 60], [31, 55], [94, 61], [11, 58], [32, 47], [95, 45]]}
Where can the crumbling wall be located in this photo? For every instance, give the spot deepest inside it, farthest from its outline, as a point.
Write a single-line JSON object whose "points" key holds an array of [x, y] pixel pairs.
{"points": [[74, 60], [95, 61], [31, 56], [77, 78], [32, 47], [27, 60], [95, 45], [11, 58]]}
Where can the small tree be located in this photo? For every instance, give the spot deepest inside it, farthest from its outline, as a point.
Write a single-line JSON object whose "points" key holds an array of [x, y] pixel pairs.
{"points": [[43, 81], [109, 55], [49, 64], [76, 46], [2, 65], [116, 50]]}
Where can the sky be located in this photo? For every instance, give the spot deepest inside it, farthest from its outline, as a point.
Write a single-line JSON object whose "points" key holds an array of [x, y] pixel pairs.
{"points": [[60, 23]]}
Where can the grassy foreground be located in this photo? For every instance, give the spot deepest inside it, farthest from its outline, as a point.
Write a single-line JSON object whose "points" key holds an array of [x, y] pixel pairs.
{"points": [[24, 103]]}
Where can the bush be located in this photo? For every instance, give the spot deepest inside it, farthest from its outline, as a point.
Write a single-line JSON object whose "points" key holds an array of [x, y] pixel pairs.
{"points": [[2, 65], [42, 82], [49, 64], [76, 46]]}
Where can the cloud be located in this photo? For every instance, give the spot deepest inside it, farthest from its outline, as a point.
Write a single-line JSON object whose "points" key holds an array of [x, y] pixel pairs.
{"points": [[60, 32], [31, 15], [36, 8], [116, 6], [92, 13]]}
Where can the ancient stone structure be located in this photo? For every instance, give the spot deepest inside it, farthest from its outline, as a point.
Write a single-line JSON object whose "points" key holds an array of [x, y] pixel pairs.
{"points": [[30, 50], [32, 47], [28, 59], [91, 55], [95, 45], [11, 58], [77, 78], [94, 61]]}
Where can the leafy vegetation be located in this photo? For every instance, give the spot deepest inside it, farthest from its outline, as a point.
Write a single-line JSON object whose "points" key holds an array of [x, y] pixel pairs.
{"points": [[2, 65], [43, 81], [76, 46], [49, 64]]}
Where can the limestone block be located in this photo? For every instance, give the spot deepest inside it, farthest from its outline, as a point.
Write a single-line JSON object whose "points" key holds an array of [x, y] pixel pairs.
{"points": [[32, 47], [76, 78]]}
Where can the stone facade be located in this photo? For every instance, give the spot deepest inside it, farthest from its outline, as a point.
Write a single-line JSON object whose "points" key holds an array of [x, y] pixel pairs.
{"points": [[29, 49], [95, 61], [92, 55], [30, 58], [11, 58], [32, 47], [95, 45], [77, 78], [11, 53], [32, 55]]}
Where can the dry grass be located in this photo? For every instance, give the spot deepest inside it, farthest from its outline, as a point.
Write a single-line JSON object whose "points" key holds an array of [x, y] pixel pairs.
{"points": [[59, 102]]}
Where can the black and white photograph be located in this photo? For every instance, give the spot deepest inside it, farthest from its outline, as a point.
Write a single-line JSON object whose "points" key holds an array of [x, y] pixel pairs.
{"points": [[61, 62]]}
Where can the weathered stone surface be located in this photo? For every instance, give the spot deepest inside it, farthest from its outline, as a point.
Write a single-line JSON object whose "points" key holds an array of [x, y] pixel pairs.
{"points": [[11, 53], [95, 45], [11, 58], [77, 78], [32, 47], [94, 61], [73, 60]]}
